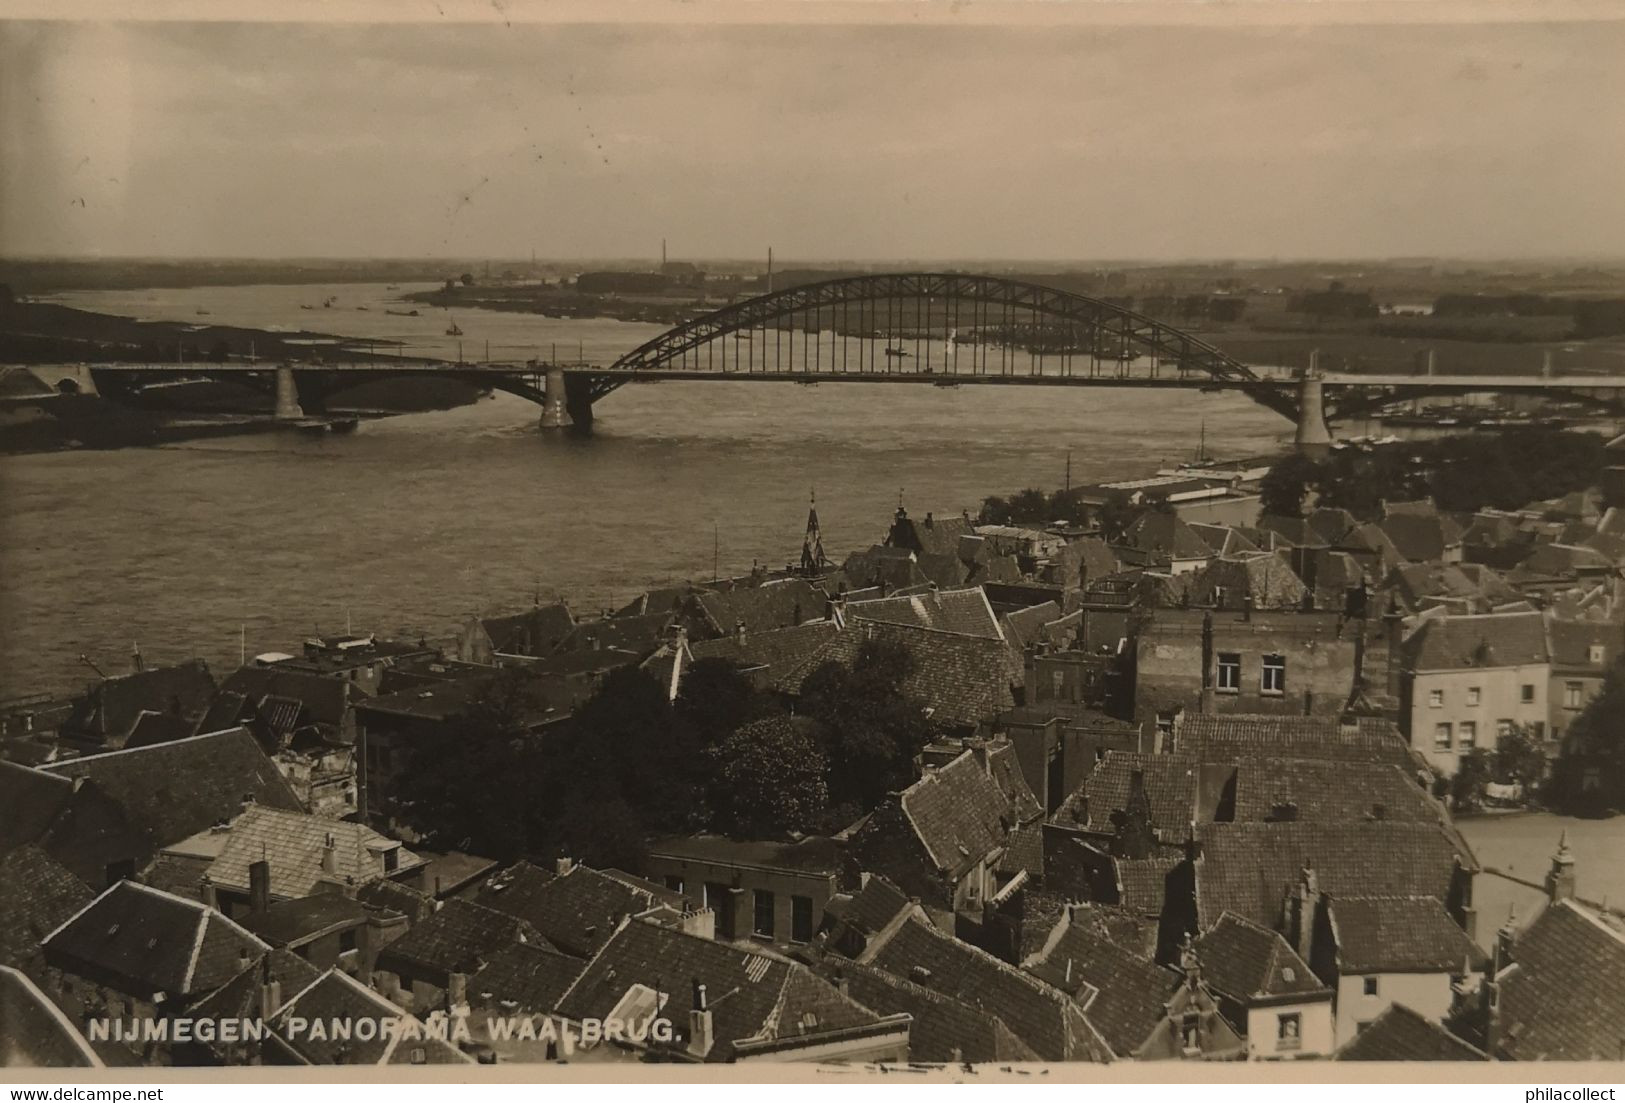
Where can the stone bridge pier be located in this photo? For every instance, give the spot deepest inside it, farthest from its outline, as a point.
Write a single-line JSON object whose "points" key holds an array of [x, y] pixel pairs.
{"points": [[287, 395], [555, 412], [1312, 437]]}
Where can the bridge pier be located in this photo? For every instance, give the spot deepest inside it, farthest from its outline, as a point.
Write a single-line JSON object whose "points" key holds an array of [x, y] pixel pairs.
{"points": [[555, 413], [1312, 437], [287, 395]]}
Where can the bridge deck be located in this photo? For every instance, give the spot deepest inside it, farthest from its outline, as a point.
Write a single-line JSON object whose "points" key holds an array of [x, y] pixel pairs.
{"points": [[1104, 375]]}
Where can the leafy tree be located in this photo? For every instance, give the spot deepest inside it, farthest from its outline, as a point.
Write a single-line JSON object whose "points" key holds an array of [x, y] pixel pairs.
{"points": [[872, 732], [1594, 742], [468, 784], [717, 699], [1030, 505], [1520, 759], [1286, 484], [1115, 516], [995, 511], [771, 778], [1473, 774]]}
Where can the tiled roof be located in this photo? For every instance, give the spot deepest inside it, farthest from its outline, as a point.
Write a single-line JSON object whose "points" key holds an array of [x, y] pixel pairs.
{"points": [[640, 635], [1124, 995], [1564, 996], [288, 921], [1164, 534], [32, 799], [965, 679], [1086, 559], [159, 727], [1330, 790], [775, 650], [337, 996], [177, 789], [458, 938], [944, 1029], [1419, 538], [576, 911], [1331, 525], [1400, 1034], [1041, 1015], [39, 895], [408, 901], [1399, 934], [1142, 883], [1296, 531], [1233, 736], [964, 612], [295, 845], [146, 941], [37, 1033], [110, 709], [752, 996], [1246, 961], [1572, 640], [1247, 868], [782, 603], [892, 569], [1223, 539], [535, 631], [1170, 785], [523, 979], [1469, 642], [931, 535], [1025, 627], [1263, 576], [325, 699], [959, 813], [875, 905], [239, 998]]}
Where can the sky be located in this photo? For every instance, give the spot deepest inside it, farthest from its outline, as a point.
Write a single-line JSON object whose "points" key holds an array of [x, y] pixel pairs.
{"points": [[825, 142]]}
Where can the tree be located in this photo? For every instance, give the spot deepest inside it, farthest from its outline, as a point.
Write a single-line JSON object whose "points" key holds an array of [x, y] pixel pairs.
{"points": [[716, 700], [1473, 774], [1115, 516], [1589, 776], [470, 782], [871, 730], [771, 779], [1286, 484], [1520, 760], [1029, 505]]}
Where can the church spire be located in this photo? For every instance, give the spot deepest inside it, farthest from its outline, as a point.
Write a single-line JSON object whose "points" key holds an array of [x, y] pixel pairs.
{"points": [[813, 560]]}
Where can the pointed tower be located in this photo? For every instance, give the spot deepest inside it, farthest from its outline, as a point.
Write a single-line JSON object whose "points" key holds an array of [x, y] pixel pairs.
{"points": [[1560, 878], [813, 560]]}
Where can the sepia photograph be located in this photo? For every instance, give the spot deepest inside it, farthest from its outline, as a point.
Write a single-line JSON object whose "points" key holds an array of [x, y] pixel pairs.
{"points": [[907, 542]]}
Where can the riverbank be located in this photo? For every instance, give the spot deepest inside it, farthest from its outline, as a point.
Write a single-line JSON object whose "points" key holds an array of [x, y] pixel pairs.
{"points": [[62, 339]]}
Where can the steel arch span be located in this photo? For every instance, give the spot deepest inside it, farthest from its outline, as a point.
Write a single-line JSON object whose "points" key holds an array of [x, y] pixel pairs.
{"points": [[1013, 329]]}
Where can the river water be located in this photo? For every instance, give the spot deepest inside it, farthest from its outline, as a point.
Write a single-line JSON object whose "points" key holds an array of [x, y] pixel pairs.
{"points": [[412, 523]]}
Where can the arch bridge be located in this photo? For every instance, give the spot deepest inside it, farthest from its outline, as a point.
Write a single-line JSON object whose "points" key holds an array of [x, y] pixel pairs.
{"points": [[940, 328]]}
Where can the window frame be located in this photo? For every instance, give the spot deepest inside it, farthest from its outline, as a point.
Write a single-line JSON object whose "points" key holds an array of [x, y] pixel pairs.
{"points": [[1526, 695], [1369, 986], [1447, 730], [1435, 698], [1574, 695], [799, 932], [1284, 1041], [1227, 661], [1467, 735], [1272, 664], [759, 898], [1474, 695]]}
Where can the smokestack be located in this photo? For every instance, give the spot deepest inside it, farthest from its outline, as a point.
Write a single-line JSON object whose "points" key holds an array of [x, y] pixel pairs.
{"points": [[329, 852], [259, 886], [700, 1025]]}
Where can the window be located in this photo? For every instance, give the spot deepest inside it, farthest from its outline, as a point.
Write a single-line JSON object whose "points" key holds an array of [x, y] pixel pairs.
{"points": [[1573, 694], [764, 913], [1594, 654], [1528, 693], [1441, 737], [1472, 695], [674, 882], [1229, 673], [1435, 698], [1469, 735], [1503, 727], [1272, 678], [801, 919], [1288, 1031], [1371, 986]]}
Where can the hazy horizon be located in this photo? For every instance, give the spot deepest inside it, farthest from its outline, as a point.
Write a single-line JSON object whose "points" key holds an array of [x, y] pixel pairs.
{"points": [[932, 144]]}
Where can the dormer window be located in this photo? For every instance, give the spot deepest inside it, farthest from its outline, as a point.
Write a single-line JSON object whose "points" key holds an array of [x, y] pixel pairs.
{"points": [[1594, 655]]}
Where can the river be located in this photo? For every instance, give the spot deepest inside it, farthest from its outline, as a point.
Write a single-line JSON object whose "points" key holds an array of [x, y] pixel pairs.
{"points": [[412, 523]]}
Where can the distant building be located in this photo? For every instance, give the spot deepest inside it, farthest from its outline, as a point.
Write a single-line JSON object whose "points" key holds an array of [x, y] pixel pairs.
{"points": [[768, 891]]}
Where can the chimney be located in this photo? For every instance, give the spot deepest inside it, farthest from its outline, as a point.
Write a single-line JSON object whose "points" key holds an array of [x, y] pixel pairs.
{"points": [[329, 852], [739, 631], [1560, 878], [1308, 905], [561, 866], [135, 658], [930, 522], [457, 993], [270, 990], [1247, 606], [700, 1025], [1189, 963], [259, 886]]}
